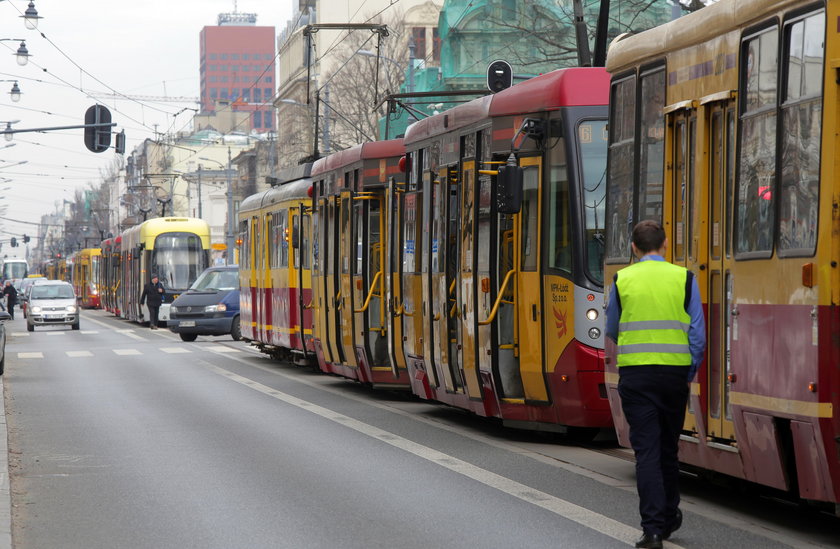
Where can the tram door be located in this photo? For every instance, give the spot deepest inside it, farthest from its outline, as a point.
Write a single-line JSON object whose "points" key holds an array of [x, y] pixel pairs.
{"points": [[528, 313], [684, 237], [346, 262], [332, 295], [320, 228], [443, 272], [721, 128], [468, 300], [411, 283], [372, 269], [393, 274], [265, 240]]}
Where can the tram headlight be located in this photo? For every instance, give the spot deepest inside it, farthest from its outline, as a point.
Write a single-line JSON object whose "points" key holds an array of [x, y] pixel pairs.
{"points": [[71, 308], [594, 333], [221, 307], [592, 314]]}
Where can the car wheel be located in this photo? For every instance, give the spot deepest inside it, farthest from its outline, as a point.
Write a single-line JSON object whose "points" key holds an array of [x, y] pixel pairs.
{"points": [[236, 330], [3, 364], [76, 325], [188, 337], [30, 327]]}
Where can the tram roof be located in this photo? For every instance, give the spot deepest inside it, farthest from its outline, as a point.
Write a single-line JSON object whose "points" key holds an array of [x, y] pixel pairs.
{"points": [[579, 86], [714, 20], [372, 150], [293, 190]]}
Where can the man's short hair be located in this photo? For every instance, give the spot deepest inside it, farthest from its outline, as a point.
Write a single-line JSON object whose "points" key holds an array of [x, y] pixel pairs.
{"points": [[648, 236]]}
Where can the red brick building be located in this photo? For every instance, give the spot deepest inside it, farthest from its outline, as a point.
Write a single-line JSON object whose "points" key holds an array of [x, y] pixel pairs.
{"points": [[238, 66]]}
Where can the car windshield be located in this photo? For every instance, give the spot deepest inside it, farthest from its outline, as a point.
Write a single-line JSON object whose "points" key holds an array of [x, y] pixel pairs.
{"points": [[217, 280], [52, 292]]}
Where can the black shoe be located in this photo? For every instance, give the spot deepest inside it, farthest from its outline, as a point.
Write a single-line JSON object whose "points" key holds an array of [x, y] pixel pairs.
{"points": [[674, 525], [649, 541]]}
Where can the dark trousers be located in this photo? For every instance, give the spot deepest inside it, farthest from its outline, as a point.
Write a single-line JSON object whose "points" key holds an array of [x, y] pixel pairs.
{"points": [[153, 314], [653, 399]]}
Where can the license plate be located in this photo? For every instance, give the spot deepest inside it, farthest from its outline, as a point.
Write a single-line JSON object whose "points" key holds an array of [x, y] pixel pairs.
{"points": [[187, 324], [54, 316]]}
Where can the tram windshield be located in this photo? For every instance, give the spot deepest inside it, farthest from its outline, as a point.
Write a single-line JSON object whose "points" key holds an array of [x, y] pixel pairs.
{"points": [[178, 259], [14, 269], [593, 154]]}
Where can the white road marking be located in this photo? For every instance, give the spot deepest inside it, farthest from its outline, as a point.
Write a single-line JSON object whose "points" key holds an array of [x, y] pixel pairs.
{"points": [[30, 355], [78, 354], [130, 333], [220, 349], [89, 332], [581, 515], [55, 333], [127, 352], [174, 350], [21, 334]]}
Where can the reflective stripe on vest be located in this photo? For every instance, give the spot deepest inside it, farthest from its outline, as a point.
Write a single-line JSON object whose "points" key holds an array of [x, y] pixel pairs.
{"points": [[653, 328]]}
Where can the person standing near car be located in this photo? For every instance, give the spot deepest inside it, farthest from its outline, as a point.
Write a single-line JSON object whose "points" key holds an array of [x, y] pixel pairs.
{"points": [[153, 294], [11, 298], [655, 316]]}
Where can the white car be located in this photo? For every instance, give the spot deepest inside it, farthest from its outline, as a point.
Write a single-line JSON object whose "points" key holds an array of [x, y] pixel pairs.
{"points": [[50, 303]]}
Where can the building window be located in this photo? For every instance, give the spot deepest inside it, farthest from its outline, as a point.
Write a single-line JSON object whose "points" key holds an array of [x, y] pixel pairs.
{"points": [[223, 57], [223, 79], [234, 56], [267, 93], [245, 56], [212, 57], [214, 93], [267, 79], [268, 56], [234, 94], [257, 95], [212, 78], [223, 68], [223, 93], [256, 120], [234, 68], [418, 35], [269, 117], [212, 68], [246, 95]]}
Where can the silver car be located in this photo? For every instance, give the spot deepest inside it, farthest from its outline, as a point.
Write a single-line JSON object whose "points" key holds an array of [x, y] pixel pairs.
{"points": [[50, 303]]}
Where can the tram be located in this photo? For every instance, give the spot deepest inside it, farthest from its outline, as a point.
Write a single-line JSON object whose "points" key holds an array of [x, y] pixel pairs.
{"points": [[177, 249], [109, 274], [85, 277], [719, 125], [274, 245], [350, 269], [498, 301], [14, 268]]}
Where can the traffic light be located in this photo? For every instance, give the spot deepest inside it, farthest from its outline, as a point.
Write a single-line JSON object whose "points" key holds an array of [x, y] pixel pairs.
{"points": [[13, 242], [119, 143], [499, 76], [97, 139], [25, 239]]}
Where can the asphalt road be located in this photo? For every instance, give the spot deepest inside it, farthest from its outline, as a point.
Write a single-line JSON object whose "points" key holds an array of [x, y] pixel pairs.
{"points": [[124, 437]]}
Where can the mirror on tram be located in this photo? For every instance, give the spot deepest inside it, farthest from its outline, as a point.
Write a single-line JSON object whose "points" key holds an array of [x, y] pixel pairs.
{"points": [[509, 187]]}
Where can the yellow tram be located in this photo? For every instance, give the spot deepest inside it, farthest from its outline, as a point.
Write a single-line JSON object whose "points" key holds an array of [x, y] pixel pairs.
{"points": [[85, 277]]}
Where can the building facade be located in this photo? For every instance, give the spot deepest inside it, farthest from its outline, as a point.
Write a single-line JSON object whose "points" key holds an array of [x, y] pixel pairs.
{"points": [[237, 69]]}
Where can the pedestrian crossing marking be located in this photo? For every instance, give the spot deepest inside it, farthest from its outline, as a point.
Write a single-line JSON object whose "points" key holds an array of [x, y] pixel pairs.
{"points": [[174, 350], [127, 352], [78, 354], [89, 332], [221, 349], [30, 355], [55, 333], [20, 334]]}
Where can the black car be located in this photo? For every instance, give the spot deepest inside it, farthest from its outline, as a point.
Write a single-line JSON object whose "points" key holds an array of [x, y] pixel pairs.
{"points": [[209, 307]]}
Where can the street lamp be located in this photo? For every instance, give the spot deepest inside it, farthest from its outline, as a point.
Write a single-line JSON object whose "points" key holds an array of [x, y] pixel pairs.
{"points": [[22, 54], [7, 132], [229, 196], [31, 17]]}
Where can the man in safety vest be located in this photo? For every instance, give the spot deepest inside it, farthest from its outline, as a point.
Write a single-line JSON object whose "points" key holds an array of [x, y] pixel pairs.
{"points": [[655, 316]]}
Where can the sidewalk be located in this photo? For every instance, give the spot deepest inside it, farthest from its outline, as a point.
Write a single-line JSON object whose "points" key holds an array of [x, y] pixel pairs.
{"points": [[5, 490]]}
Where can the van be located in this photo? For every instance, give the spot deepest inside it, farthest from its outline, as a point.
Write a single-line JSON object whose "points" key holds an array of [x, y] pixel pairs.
{"points": [[209, 307]]}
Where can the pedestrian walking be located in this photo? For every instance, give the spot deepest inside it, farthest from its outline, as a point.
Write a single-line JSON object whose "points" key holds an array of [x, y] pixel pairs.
{"points": [[655, 316], [11, 298], [153, 295]]}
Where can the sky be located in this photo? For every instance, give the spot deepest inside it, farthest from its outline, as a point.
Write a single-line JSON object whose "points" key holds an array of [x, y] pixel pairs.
{"points": [[88, 48]]}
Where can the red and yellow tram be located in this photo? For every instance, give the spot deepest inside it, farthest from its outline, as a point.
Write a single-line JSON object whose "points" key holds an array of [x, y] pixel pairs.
{"points": [[109, 274], [274, 267], [85, 277], [723, 126]]}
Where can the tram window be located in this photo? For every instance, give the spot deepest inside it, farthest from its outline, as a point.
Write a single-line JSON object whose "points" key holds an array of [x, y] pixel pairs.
{"points": [[620, 203], [592, 136], [359, 234], [652, 150], [409, 228], [730, 176], [801, 115], [282, 242], [558, 211], [757, 163], [530, 218]]}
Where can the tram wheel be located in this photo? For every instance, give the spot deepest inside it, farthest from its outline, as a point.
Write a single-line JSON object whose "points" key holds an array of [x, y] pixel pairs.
{"points": [[188, 337]]}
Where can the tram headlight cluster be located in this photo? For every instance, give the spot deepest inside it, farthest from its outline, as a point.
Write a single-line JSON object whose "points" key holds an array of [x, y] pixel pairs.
{"points": [[592, 314], [594, 333]]}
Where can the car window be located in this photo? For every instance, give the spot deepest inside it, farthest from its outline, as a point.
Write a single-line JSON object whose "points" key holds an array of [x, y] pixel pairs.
{"points": [[52, 292], [217, 280]]}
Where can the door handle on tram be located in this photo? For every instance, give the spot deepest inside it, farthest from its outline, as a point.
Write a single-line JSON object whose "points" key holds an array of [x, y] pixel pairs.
{"points": [[534, 312]]}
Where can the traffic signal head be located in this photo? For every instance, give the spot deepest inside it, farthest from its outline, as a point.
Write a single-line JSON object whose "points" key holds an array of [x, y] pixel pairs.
{"points": [[119, 143], [13, 242], [98, 128], [25, 239], [499, 76]]}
